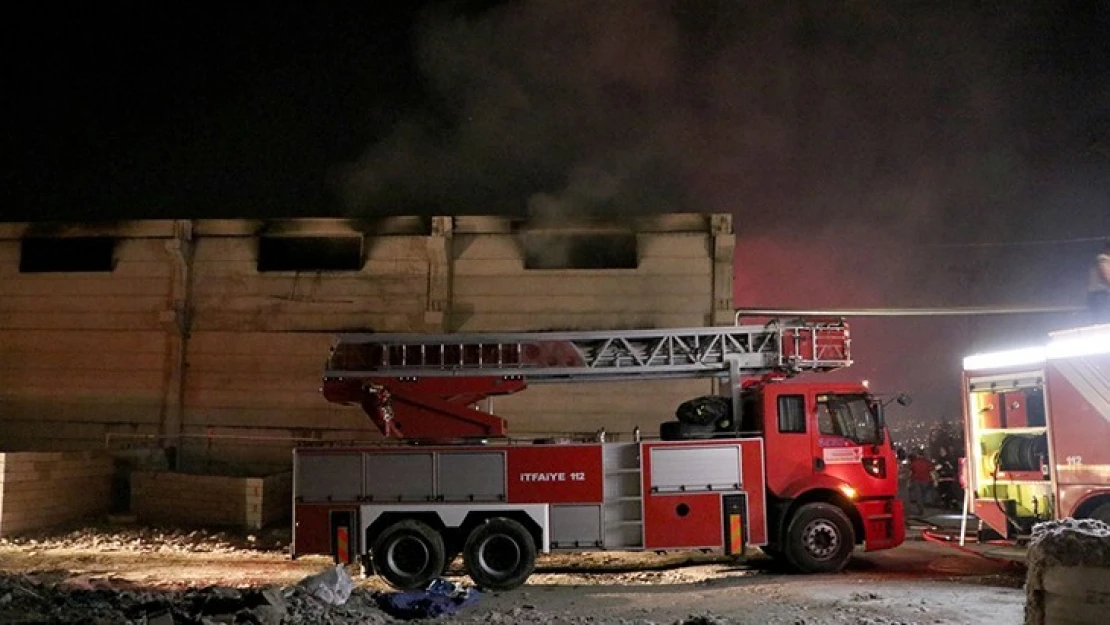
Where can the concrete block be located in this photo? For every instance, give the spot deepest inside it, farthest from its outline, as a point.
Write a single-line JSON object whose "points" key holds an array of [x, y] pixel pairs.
{"points": [[189, 499], [41, 489]]}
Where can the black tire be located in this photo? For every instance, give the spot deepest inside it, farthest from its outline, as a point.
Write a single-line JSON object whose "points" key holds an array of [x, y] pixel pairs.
{"points": [[499, 554], [408, 555], [704, 410], [819, 539], [678, 431], [1101, 513]]}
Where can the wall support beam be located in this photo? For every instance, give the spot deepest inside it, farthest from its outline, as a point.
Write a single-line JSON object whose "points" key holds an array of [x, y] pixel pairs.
{"points": [[723, 246], [178, 324], [437, 310]]}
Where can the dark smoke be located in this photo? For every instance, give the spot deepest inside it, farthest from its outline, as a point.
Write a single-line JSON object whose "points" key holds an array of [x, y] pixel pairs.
{"points": [[534, 104], [862, 124], [872, 153], [807, 111]]}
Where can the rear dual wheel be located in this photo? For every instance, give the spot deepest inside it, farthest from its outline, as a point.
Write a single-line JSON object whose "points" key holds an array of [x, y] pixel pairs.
{"points": [[408, 554], [499, 554]]}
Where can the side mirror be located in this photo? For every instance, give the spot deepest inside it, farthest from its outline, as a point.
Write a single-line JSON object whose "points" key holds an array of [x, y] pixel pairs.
{"points": [[904, 399]]}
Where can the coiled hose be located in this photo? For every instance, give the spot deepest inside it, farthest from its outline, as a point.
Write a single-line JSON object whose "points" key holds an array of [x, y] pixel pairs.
{"points": [[1023, 452]]}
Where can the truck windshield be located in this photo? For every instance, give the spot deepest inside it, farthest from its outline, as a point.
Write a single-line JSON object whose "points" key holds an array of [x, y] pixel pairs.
{"points": [[849, 416]]}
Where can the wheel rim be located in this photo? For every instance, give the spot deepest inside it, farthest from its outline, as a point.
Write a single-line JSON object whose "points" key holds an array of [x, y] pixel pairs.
{"points": [[499, 555], [408, 555], [821, 539]]}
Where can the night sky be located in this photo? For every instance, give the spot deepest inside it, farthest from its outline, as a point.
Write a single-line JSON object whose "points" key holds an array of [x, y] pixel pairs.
{"points": [[874, 154]]}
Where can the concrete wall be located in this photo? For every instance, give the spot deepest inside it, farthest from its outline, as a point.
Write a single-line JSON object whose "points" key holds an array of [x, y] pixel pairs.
{"points": [[185, 337], [45, 489], [186, 499], [683, 279], [81, 354]]}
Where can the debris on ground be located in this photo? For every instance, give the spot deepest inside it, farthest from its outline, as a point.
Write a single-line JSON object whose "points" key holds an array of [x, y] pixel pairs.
{"points": [[173, 582], [1070, 542], [153, 539], [440, 598], [1069, 572], [703, 619], [51, 598], [332, 586]]}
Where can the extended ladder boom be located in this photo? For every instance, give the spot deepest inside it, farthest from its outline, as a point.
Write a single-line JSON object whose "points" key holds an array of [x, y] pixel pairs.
{"points": [[385, 372], [620, 354]]}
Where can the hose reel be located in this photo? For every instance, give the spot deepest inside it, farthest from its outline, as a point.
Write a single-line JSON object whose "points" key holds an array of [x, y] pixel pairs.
{"points": [[1023, 452]]}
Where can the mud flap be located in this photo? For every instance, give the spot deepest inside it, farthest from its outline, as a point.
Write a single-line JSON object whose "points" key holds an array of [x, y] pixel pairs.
{"points": [[342, 530], [735, 510]]}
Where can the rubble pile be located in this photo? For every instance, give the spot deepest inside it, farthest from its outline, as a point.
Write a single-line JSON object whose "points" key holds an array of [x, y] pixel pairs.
{"points": [[26, 599], [1070, 542], [1068, 579], [529, 614], [144, 539], [703, 619]]}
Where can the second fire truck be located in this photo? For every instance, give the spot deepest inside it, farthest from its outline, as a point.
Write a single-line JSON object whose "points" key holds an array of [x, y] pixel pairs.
{"points": [[804, 470], [1038, 427]]}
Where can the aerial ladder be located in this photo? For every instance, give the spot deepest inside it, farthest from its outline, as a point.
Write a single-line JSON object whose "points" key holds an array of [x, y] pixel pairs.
{"points": [[425, 387]]}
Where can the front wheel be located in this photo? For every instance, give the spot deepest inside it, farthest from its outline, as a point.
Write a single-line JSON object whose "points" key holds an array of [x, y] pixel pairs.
{"points": [[408, 554], [499, 554], [819, 539]]}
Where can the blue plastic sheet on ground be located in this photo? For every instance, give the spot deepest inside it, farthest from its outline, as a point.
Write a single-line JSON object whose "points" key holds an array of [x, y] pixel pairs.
{"points": [[439, 598]]}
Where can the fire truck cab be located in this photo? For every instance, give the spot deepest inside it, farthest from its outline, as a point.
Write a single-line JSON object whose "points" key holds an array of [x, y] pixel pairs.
{"points": [[804, 470], [850, 467]]}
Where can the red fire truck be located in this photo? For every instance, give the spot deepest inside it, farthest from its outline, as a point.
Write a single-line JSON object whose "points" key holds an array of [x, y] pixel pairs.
{"points": [[803, 469], [1038, 426]]}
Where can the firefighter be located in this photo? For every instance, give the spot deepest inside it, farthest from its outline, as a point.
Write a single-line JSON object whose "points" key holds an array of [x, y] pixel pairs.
{"points": [[1098, 286], [921, 481], [945, 469]]}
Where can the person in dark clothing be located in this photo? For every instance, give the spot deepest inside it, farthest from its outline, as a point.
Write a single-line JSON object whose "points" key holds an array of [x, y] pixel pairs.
{"points": [[1098, 287], [945, 468]]}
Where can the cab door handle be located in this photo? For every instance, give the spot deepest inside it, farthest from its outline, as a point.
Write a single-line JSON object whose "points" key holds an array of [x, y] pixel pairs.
{"points": [[819, 464]]}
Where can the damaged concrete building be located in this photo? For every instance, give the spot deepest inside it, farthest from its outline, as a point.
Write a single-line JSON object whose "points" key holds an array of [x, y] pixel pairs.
{"points": [[207, 337]]}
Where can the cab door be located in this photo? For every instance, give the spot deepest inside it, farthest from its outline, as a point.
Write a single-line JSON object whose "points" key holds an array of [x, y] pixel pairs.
{"points": [[788, 434], [850, 442], [834, 454]]}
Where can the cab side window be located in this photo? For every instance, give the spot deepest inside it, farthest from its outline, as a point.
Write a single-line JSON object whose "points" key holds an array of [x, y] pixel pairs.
{"points": [[792, 414]]}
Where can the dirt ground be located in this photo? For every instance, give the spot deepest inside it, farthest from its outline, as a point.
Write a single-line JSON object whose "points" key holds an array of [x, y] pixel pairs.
{"points": [[917, 583]]}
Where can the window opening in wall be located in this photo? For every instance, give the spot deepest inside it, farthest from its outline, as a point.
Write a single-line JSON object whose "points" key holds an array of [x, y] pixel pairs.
{"points": [[580, 251], [300, 253], [64, 254]]}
